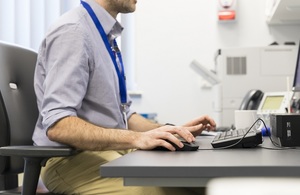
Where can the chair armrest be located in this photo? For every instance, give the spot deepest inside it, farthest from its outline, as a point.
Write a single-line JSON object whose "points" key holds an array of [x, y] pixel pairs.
{"points": [[35, 157], [37, 151]]}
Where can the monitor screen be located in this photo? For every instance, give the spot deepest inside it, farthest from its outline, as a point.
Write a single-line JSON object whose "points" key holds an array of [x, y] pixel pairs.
{"points": [[296, 84], [272, 103]]}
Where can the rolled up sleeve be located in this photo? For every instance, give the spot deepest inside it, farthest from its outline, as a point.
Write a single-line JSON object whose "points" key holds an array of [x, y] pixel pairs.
{"points": [[66, 74]]}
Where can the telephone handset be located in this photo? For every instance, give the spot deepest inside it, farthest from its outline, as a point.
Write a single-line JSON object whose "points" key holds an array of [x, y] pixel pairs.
{"points": [[252, 100]]}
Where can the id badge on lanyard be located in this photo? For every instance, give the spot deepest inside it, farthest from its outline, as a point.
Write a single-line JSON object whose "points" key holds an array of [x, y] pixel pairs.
{"points": [[113, 54]]}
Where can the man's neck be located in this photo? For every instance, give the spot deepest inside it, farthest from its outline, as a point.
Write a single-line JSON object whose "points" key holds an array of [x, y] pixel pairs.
{"points": [[107, 7]]}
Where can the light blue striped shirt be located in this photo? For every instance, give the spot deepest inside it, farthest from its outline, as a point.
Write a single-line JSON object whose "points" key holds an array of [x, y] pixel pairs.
{"points": [[75, 75]]}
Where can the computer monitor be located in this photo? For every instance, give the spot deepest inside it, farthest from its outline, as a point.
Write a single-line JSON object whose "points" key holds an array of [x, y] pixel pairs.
{"points": [[296, 83]]}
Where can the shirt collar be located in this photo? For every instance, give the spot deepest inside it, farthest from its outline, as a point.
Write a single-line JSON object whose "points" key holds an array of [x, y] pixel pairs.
{"points": [[115, 32]]}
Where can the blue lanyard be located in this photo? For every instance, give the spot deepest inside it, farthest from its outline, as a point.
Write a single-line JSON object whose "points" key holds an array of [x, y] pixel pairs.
{"points": [[120, 73]]}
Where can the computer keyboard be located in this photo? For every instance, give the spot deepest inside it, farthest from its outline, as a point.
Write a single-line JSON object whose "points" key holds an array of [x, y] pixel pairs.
{"points": [[234, 139]]}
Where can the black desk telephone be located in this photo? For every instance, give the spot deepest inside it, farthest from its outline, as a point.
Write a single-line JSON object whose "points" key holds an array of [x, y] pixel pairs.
{"points": [[252, 100]]}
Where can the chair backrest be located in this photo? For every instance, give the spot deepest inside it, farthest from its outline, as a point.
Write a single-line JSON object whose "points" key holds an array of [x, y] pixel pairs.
{"points": [[18, 107], [4, 138]]}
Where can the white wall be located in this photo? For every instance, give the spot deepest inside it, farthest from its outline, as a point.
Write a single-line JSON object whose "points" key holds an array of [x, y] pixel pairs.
{"points": [[171, 33]]}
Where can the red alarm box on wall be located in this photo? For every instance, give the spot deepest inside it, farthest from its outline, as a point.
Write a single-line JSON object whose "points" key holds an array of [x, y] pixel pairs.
{"points": [[227, 10]]}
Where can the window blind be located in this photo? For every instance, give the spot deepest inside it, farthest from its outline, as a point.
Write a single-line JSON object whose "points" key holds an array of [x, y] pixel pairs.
{"points": [[25, 22]]}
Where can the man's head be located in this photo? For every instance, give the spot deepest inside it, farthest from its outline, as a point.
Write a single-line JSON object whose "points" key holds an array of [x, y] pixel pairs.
{"points": [[114, 7]]}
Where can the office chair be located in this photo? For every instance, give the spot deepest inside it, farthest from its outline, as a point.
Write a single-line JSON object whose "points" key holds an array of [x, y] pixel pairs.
{"points": [[18, 116]]}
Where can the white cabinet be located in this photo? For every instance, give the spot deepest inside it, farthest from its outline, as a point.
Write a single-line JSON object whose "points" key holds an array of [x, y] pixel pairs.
{"points": [[283, 11]]}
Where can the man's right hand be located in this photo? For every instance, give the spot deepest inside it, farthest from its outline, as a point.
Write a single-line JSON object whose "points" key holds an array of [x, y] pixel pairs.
{"points": [[157, 137]]}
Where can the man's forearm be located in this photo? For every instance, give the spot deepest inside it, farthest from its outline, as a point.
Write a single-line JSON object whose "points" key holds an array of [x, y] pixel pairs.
{"points": [[82, 135], [140, 124]]}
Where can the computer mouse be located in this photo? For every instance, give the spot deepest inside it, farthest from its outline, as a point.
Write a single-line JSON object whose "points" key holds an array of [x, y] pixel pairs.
{"points": [[186, 146]]}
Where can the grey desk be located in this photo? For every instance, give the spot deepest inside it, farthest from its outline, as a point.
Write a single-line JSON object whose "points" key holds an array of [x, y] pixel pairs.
{"points": [[163, 168]]}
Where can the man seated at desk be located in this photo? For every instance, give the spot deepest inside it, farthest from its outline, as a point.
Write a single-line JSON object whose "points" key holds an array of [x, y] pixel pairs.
{"points": [[83, 103]]}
